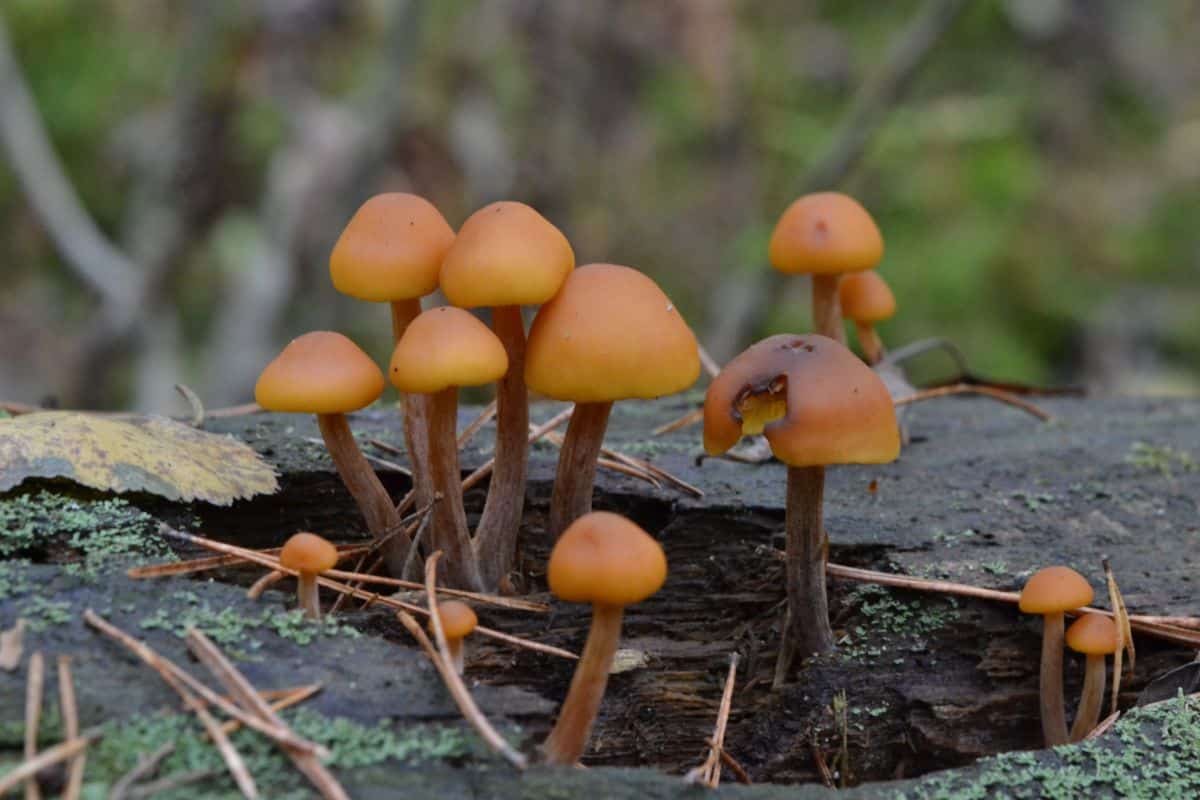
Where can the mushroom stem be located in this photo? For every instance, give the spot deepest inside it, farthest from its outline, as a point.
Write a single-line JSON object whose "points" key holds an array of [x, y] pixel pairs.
{"points": [[496, 534], [870, 342], [1092, 697], [807, 630], [364, 486], [416, 441], [1054, 718], [449, 519], [576, 473], [568, 740], [827, 308], [306, 594], [455, 647]]}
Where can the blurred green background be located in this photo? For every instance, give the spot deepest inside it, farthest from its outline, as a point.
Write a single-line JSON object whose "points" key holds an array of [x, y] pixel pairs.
{"points": [[1037, 181]]}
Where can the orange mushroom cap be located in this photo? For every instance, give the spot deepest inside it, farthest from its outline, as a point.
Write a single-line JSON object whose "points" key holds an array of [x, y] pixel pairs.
{"points": [[391, 249], [319, 373], [506, 254], [307, 552], [866, 297], [829, 407], [458, 619], [825, 233], [1093, 635], [444, 347], [610, 334], [1054, 590], [605, 559]]}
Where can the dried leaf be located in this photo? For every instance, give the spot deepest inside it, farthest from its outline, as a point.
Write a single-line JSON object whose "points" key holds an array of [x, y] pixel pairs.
{"points": [[139, 454]]}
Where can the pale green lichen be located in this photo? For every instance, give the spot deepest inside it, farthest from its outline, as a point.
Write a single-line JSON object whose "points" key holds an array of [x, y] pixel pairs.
{"points": [[1162, 459]]}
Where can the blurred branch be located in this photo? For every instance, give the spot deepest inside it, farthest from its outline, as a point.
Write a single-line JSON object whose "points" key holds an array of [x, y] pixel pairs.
{"points": [[868, 110], [83, 247]]}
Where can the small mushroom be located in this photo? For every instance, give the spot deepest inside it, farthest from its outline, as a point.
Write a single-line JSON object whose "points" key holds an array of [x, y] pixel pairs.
{"points": [[310, 555], [458, 621], [326, 374], [867, 300], [1094, 635], [445, 348], [609, 334], [608, 561], [817, 405], [825, 235], [1052, 592], [506, 255]]}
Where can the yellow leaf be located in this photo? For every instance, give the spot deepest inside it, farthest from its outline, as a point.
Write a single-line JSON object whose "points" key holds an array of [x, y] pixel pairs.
{"points": [[138, 454]]}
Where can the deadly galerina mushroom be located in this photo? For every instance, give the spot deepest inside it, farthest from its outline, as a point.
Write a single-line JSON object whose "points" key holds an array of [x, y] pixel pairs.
{"points": [[458, 621], [1096, 636], [825, 235], [610, 334], [391, 251], [1052, 592], [310, 555], [610, 562], [326, 374], [506, 255], [866, 301], [445, 348], [817, 404]]}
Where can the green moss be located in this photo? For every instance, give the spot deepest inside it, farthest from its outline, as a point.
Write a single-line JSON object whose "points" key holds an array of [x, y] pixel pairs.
{"points": [[40, 613], [104, 535], [1163, 459], [885, 626]]}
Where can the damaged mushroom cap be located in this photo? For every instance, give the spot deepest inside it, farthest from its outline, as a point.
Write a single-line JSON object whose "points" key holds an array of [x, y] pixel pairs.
{"points": [[319, 373], [866, 297], [444, 347], [814, 400], [506, 254], [825, 233], [1055, 590], [392, 249], [610, 334], [607, 560], [1093, 635]]}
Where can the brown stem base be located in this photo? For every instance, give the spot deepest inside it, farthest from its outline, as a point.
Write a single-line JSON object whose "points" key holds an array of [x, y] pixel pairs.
{"points": [[827, 308], [448, 519], [416, 436], [363, 484], [576, 473], [1054, 717], [306, 594], [872, 345], [496, 535], [1090, 699], [807, 630], [568, 740]]}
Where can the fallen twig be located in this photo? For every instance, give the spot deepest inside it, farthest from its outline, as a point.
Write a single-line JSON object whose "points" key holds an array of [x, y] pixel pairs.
{"points": [[262, 584], [30, 767], [1124, 632], [690, 418], [970, 388], [146, 765], [485, 416], [1102, 728], [35, 682], [70, 715], [249, 699], [193, 401], [709, 773], [216, 562], [12, 645]]}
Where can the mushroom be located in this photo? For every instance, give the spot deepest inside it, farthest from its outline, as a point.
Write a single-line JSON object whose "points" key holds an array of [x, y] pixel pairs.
{"points": [[867, 300], [1096, 636], [817, 404], [445, 348], [608, 561], [506, 255], [308, 554], [458, 621], [825, 235], [609, 334], [1052, 592], [326, 374], [391, 252]]}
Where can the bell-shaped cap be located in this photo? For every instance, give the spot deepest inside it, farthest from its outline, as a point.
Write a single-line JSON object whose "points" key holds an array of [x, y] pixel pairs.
{"points": [[458, 618], [610, 334], [826, 233], [605, 559], [1093, 635], [444, 347], [1054, 590], [319, 373], [307, 552], [392, 249], [865, 297], [506, 254], [829, 407]]}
